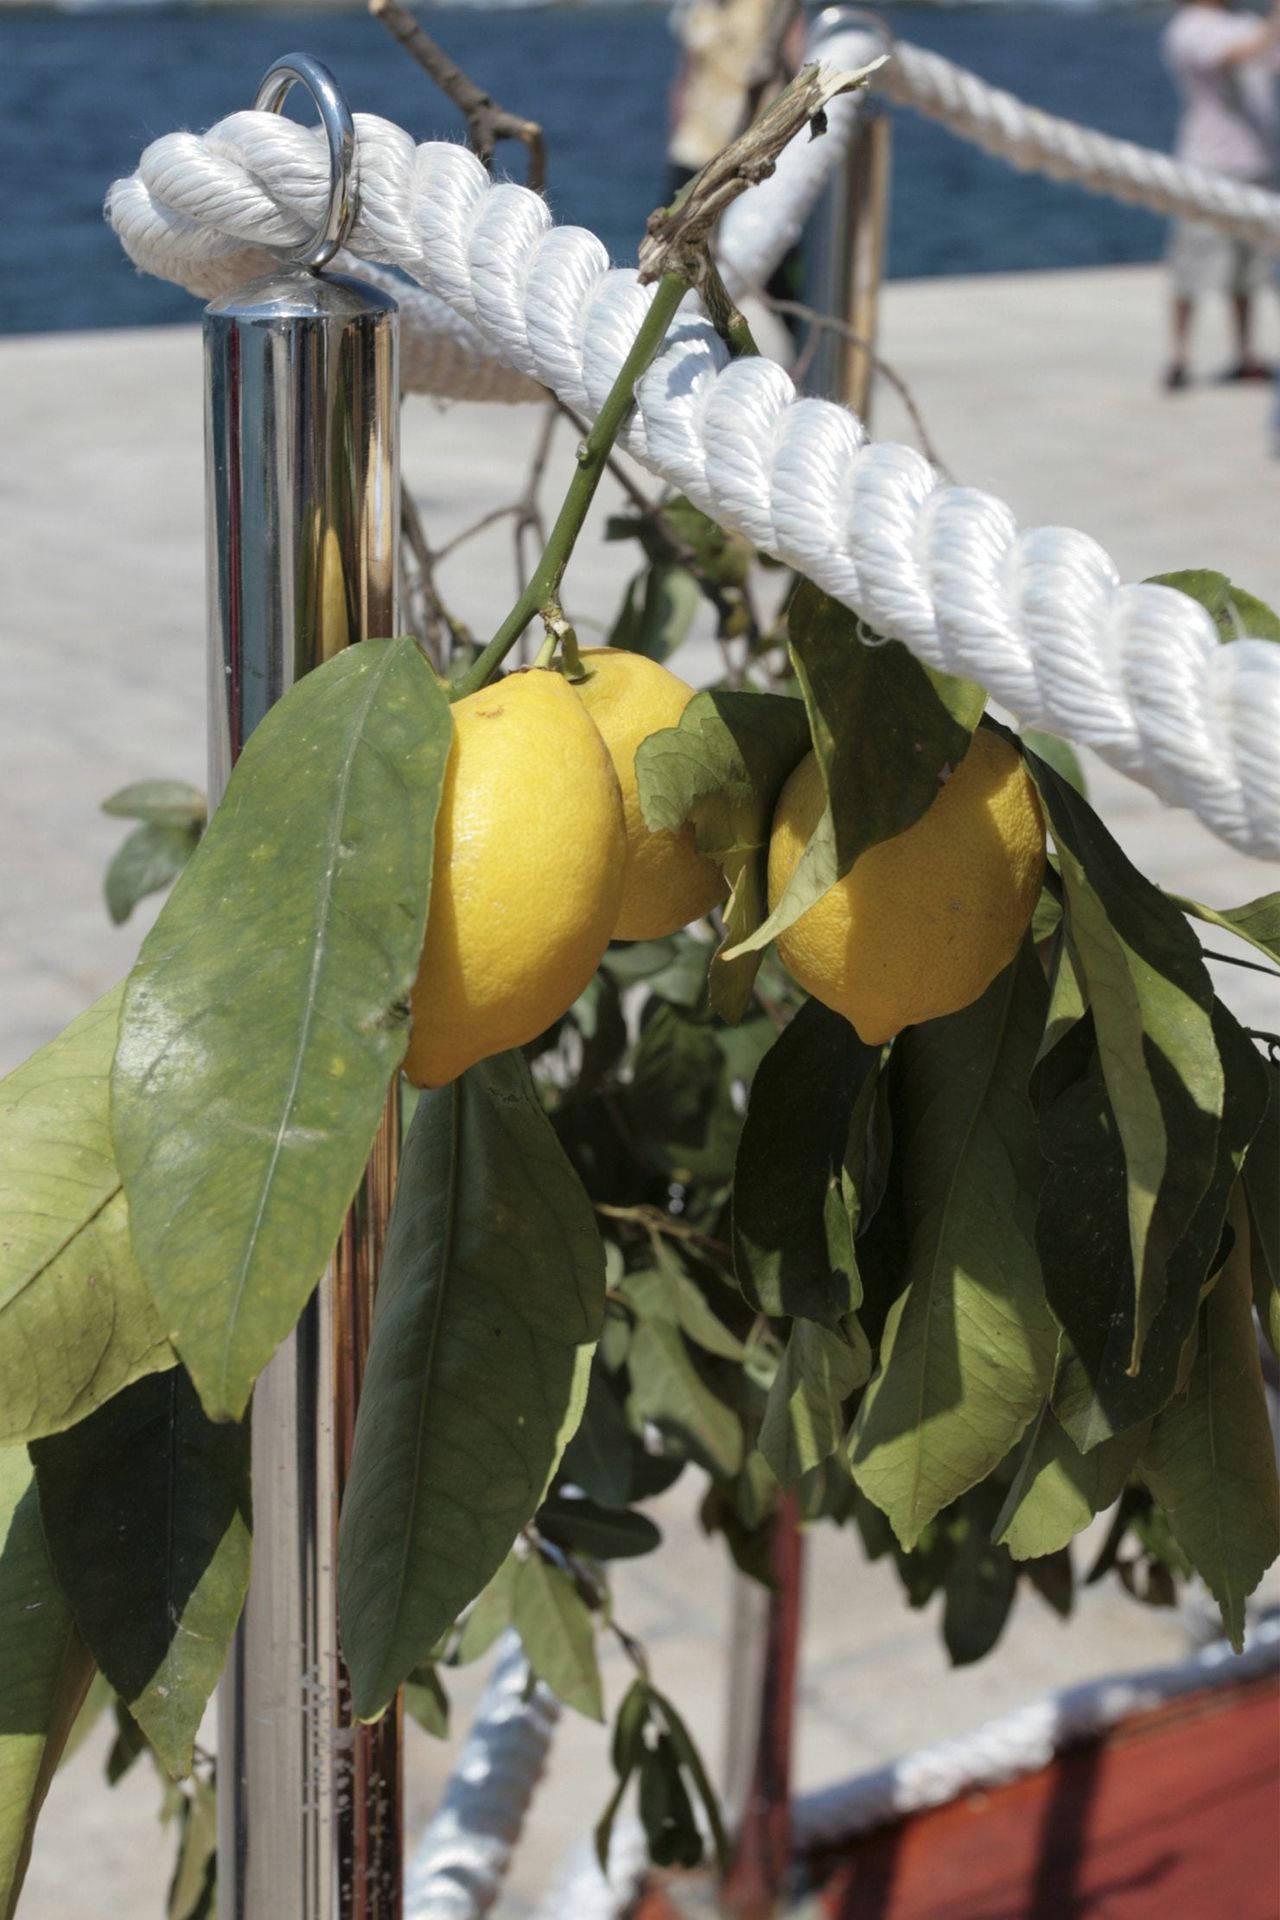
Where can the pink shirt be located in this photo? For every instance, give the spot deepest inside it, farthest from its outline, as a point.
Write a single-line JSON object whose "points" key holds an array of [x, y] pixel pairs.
{"points": [[1228, 121]]}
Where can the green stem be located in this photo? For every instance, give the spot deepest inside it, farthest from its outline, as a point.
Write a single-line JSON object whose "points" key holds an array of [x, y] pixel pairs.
{"points": [[543, 589]]}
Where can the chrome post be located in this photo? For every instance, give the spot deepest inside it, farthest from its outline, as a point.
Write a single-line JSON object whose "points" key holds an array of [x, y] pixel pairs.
{"points": [[302, 527], [848, 237]]}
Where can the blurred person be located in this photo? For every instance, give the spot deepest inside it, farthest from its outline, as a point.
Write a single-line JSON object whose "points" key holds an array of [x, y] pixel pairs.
{"points": [[1223, 65], [723, 44]]}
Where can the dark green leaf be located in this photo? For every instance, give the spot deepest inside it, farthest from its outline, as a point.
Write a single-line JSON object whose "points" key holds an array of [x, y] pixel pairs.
{"points": [[723, 768], [666, 1811], [886, 730], [193, 1889], [968, 1346], [1262, 1197], [1210, 1460], [427, 1701], [598, 1458], [980, 1585], [667, 1388], [149, 859], [1236, 614], [1152, 1002], [1057, 1490], [602, 1533], [1257, 921], [1083, 1235], [1053, 1578], [658, 611], [628, 1751], [804, 1416], [1060, 755], [691, 1760], [792, 1144], [76, 1322], [163, 803], [270, 1005], [558, 1634], [127, 1748], [146, 1509], [492, 1292], [680, 1098], [45, 1670]]}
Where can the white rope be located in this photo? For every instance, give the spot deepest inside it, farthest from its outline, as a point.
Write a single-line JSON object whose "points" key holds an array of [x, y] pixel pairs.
{"points": [[1039, 618], [465, 1851], [1006, 1749], [1039, 142]]}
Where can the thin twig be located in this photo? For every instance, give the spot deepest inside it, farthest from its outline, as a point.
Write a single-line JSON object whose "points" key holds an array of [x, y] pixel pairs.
{"points": [[654, 1220], [1236, 960], [800, 311], [487, 122]]}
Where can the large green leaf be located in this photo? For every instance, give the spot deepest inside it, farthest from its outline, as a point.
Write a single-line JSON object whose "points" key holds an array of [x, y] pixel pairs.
{"points": [[1083, 1235], [968, 1346], [790, 1153], [146, 1509], [45, 1670], [1152, 1002], [804, 1419], [269, 1008], [886, 732], [1057, 1490], [557, 1633], [491, 1296], [1210, 1460], [723, 767], [76, 1322], [1257, 921]]}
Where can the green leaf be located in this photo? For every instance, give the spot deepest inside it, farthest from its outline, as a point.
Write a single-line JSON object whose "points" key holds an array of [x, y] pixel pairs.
{"points": [[1152, 1002], [628, 1751], [162, 803], [270, 1005], [980, 1585], [598, 1458], [657, 611], [558, 1634], [723, 767], [1058, 754], [427, 1701], [146, 863], [45, 1670], [886, 731], [1236, 614], [666, 1811], [1257, 921], [146, 1509], [1083, 1235], [602, 1533], [1210, 1461], [487, 1616], [1057, 1490], [76, 1322], [968, 1346], [667, 1388], [492, 1293], [680, 1100], [192, 1891], [665, 1292], [790, 1152], [691, 1760], [804, 1415], [1262, 1196]]}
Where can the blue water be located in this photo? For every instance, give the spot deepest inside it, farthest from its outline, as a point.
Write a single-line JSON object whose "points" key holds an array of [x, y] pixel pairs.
{"points": [[80, 95]]}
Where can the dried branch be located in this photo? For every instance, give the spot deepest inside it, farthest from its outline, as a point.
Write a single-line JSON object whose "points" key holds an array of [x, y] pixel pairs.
{"points": [[487, 122], [677, 238]]}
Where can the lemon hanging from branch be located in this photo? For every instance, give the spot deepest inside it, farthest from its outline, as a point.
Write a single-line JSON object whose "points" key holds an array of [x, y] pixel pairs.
{"points": [[922, 923]]}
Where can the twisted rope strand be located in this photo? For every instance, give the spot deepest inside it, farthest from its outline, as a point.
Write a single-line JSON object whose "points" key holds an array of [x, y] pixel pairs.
{"points": [[1040, 618]]}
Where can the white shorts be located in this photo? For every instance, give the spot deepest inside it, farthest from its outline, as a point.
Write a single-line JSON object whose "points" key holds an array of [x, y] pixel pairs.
{"points": [[1203, 259]]}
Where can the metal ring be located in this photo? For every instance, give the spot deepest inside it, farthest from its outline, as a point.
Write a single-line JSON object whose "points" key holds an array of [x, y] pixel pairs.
{"points": [[296, 69]]}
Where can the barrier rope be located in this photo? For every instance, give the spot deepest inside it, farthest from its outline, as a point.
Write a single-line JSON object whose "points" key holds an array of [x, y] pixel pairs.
{"points": [[1039, 618]]}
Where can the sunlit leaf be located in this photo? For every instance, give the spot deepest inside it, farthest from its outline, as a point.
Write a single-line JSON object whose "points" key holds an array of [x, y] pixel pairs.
{"points": [[76, 1321], [146, 1509], [492, 1292], [269, 1008], [667, 1389], [886, 730], [557, 1633], [45, 1670], [657, 611], [791, 1150], [1257, 921], [804, 1416], [968, 1346], [1057, 1490], [665, 1292], [1210, 1460], [1152, 1002], [192, 1891], [1236, 614]]}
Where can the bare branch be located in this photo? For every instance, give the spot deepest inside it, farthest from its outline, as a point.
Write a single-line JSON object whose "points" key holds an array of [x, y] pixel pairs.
{"points": [[487, 122]]}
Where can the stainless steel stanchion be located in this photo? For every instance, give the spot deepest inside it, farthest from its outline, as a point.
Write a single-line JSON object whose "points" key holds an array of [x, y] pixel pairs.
{"points": [[302, 399], [848, 238]]}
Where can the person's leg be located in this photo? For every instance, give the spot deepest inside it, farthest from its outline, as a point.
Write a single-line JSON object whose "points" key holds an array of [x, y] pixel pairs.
{"points": [[1251, 267], [1183, 309]]}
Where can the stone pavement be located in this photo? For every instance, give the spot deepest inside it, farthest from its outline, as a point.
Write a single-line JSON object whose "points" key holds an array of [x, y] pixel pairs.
{"points": [[1039, 387]]}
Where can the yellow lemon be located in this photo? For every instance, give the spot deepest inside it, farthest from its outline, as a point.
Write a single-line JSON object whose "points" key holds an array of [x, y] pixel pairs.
{"points": [[527, 876], [922, 923], [668, 883]]}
